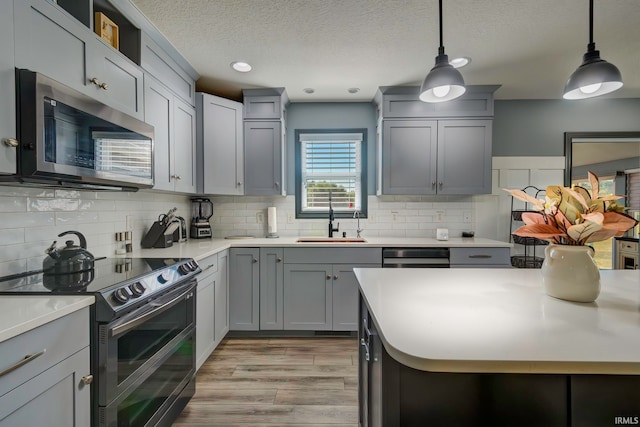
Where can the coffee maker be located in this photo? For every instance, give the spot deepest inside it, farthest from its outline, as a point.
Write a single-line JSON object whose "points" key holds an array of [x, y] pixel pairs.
{"points": [[201, 211]]}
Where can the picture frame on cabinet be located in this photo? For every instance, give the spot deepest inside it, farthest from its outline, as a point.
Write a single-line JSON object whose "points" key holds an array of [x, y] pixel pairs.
{"points": [[107, 30]]}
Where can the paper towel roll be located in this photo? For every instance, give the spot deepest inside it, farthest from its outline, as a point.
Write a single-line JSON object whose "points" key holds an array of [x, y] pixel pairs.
{"points": [[272, 222]]}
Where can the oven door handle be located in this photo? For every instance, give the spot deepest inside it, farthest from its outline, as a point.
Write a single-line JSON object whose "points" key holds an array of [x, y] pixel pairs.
{"points": [[138, 320]]}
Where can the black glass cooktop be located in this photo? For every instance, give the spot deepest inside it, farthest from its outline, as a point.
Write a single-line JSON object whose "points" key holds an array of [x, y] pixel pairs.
{"points": [[107, 273]]}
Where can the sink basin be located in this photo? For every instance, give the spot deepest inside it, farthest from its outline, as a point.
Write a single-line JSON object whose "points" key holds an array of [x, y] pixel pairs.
{"points": [[331, 240]]}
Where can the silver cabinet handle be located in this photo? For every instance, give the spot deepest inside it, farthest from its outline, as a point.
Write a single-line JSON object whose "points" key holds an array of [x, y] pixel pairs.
{"points": [[28, 358], [101, 85], [10, 142], [207, 267], [433, 184], [104, 86], [254, 260], [328, 277], [239, 183], [178, 177], [277, 184], [335, 277], [479, 256], [87, 379], [441, 185], [279, 260]]}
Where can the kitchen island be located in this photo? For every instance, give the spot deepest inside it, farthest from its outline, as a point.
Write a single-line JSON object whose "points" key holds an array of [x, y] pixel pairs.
{"points": [[477, 347]]}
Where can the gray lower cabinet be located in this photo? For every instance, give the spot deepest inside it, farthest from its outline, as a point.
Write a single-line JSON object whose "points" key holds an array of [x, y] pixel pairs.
{"points": [[436, 157], [212, 314], [244, 289], [174, 124], [7, 90], [345, 296], [271, 288], [308, 302], [263, 143], [220, 145], [50, 388], [49, 41]]}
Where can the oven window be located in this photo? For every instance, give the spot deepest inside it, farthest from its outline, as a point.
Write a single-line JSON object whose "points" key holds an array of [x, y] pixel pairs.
{"points": [[143, 403], [136, 346]]}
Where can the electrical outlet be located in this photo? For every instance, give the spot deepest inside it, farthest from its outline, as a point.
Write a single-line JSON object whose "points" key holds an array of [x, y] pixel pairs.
{"points": [[290, 218], [260, 217], [371, 218], [466, 216], [439, 216]]}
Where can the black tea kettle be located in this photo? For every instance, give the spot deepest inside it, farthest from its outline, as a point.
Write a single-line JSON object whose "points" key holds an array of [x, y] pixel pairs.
{"points": [[69, 259]]}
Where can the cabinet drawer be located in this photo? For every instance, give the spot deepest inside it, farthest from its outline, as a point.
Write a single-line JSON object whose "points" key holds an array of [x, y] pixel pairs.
{"points": [[209, 265], [333, 255], [479, 256], [625, 246], [59, 339]]}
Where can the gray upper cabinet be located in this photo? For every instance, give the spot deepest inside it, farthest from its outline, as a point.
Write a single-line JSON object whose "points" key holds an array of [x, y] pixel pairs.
{"points": [[263, 157], [7, 91], [271, 288], [174, 125], [464, 156], [409, 156], [244, 289], [264, 115], [442, 148], [48, 40], [220, 145]]}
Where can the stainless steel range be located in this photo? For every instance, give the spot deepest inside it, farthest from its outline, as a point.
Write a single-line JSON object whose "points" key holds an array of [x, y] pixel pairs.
{"points": [[142, 334]]}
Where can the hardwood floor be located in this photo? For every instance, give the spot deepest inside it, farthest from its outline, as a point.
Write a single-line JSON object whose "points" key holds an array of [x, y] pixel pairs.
{"points": [[277, 382]]}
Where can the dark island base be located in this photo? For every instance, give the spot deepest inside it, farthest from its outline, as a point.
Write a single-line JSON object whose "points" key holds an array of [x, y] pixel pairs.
{"points": [[392, 394]]}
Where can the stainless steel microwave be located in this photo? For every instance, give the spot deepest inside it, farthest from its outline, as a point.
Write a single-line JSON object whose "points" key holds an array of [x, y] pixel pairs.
{"points": [[68, 139]]}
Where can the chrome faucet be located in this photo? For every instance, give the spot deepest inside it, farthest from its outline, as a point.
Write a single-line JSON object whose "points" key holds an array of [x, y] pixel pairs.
{"points": [[331, 218], [356, 214]]}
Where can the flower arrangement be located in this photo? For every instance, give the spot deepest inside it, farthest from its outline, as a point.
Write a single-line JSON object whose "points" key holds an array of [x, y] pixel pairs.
{"points": [[573, 216]]}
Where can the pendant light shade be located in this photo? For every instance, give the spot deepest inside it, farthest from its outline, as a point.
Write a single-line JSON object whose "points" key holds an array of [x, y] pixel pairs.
{"points": [[595, 76], [443, 83]]}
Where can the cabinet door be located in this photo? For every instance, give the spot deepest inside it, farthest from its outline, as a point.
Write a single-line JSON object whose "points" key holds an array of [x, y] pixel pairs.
{"points": [[345, 296], [409, 149], [464, 156], [263, 158], [221, 323], [244, 289], [184, 146], [220, 138], [56, 397], [48, 41], [158, 112], [7, 89], [118, 82], [271, 288], [205, 312], [307, 297]]}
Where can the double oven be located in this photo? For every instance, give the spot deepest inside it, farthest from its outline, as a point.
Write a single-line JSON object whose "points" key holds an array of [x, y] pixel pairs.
{"points": [[142, 336]]}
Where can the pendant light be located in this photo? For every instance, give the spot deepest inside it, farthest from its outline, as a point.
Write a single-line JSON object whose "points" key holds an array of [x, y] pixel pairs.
{"points": [[595, 76], [443, 83]]}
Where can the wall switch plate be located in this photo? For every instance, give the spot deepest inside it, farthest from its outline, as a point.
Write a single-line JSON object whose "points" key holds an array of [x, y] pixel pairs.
{"points": [[260, 217], [290, 218], [439, 216]]}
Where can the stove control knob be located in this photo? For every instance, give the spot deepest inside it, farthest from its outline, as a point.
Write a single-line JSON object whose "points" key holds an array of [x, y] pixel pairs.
{"points": [[185, 269], [121, 295], [137, 289], [164, 277], [193, 265]]}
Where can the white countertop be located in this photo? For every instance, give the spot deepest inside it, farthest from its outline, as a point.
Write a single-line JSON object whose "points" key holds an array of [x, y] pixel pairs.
{"points": [[19, 314], [500, 320], [201, 248]]}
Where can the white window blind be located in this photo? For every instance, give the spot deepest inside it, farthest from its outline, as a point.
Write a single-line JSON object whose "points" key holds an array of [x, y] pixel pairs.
{"points": [[331, 163], [633, 191]]}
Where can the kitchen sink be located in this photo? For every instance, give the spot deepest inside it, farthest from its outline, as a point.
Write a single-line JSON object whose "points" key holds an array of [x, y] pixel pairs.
{"points": [[331, 240]]}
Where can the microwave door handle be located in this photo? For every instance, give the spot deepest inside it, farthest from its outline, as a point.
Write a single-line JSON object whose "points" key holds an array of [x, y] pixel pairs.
{"points": [[138, 320]]}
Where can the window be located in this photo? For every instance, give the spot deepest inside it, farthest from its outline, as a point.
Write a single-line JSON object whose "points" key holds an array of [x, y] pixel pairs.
{"points": [[331, 163]]}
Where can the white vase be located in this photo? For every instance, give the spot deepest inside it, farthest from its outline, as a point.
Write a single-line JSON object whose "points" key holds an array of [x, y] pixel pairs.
{"points": [[570, 273]]}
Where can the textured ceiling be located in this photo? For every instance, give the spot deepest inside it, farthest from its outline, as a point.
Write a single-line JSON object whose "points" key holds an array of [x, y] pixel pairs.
{"points": [[529, 47]]}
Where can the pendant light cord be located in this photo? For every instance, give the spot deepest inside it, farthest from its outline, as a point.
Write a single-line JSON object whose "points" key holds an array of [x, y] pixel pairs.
{"points": [[591, 45], [441, 48]]}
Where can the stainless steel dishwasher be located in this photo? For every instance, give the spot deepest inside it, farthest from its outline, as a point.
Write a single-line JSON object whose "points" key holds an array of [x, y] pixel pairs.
{"points": [[415, 258]]}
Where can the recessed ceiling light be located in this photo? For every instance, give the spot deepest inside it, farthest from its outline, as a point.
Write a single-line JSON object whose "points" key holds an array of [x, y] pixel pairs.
{"points": [[308, 90], [353, 90], [240, 66], [460, 62]]}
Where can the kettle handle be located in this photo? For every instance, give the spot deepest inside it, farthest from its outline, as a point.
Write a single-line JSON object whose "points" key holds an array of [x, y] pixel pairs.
{"points": [[83, 241]]}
